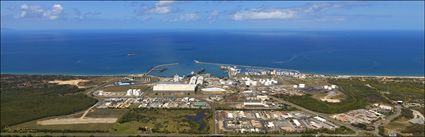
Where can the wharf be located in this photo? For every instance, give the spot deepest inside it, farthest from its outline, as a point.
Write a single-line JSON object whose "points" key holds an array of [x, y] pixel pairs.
{"points": [[245, 66]]}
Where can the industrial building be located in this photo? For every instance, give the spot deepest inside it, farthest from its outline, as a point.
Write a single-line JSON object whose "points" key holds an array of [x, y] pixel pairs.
{"points": [[174, 88]]}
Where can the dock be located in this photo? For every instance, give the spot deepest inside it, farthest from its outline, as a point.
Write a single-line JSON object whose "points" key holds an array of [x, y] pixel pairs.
{"points": [[159, 66], [244, 66]]}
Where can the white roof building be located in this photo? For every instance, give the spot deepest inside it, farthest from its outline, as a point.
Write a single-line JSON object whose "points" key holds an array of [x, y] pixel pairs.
{"points": [[214, 89], [175, 87]]}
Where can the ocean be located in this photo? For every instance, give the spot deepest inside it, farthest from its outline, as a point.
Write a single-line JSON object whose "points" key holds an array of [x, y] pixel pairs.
{"points": [[106, 52]]}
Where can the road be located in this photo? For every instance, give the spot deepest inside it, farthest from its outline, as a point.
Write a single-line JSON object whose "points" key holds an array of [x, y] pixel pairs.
{"points": [[325, 116], [387, 120], [90, 93]]}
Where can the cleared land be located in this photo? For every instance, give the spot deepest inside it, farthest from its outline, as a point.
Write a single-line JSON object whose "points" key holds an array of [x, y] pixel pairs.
{"points": [[74, 82], [66, 121], [91, 127]]}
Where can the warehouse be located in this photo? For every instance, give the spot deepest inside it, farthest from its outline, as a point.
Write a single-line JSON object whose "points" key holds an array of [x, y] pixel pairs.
{"points": [[174, 88]]}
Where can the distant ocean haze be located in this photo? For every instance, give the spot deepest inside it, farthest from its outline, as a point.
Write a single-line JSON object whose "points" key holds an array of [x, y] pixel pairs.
{"points": [[107, 52]]}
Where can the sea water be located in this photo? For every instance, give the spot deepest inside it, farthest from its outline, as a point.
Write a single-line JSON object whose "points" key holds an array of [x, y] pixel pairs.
{"points": [[120, 52]]}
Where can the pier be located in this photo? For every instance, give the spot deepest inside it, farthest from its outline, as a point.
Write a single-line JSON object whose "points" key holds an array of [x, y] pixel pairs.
{"points": [[153, 69], [244, 66], [159, 66]]}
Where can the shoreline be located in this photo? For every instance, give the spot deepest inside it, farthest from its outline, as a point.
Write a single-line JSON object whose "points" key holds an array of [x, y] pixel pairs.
{"points": [[115, 75], [380, 76]]}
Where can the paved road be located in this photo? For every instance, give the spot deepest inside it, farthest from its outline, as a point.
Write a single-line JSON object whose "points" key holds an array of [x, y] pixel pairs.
{"points": [[325, 116], [385, 121]]}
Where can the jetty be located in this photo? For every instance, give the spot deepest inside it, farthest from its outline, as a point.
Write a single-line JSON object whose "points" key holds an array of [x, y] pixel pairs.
{"points": [[245, 66], [153, 69], [159, 66]]}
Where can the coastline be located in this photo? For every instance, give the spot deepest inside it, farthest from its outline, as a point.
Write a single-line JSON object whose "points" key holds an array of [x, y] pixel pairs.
{"points": [[381, 76], [125, 74]]}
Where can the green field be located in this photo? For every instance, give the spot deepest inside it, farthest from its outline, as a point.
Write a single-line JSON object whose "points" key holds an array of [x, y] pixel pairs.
{"points": [[73, 128], [357, 95], [405, 89], [27, 98], [32, 126], [165, 121]]}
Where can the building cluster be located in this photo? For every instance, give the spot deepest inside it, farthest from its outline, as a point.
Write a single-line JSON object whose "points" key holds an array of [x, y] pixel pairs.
{"points": [[102, 93], [171, 102], [255, 99], [196, 80], [252, 82], [301, 86], [177, 78], [232, 70], [359, 116], [330, 87], [270, 121], [174, 88], [277, 72], [282, 90], [134, 92], [154, 102], [381, 108], [117, 102]]}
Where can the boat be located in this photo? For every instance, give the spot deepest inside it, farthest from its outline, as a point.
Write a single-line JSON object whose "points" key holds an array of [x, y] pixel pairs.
{"points": [[202, 70], [131, 54], [163, 69]]}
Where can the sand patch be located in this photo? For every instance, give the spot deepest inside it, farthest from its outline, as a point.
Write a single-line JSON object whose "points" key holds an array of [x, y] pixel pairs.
{"points": [[74, 82], [67, 121]]}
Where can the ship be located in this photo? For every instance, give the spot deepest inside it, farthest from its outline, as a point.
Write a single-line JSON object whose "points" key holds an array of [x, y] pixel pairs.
{"points": [[131, 54], [163, 69]]}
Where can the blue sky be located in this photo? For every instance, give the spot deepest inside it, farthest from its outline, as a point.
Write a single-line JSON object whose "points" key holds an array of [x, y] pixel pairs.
{"points": [[285, 15]]}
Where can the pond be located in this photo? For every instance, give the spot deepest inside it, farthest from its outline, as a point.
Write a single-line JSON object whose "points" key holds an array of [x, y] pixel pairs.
{"points": [[198, 119]]}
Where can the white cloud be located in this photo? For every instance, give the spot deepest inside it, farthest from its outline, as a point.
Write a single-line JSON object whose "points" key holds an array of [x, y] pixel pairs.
{"points": [[264, 14], [160, 10], [319, 7], [284, 13], [214, 13], [162, 7], [188, 17], [53, 13], [84, 15], [165, 2]]}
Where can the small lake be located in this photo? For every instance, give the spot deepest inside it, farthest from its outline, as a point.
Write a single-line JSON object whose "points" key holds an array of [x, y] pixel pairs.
{"points": [[198, 118]]}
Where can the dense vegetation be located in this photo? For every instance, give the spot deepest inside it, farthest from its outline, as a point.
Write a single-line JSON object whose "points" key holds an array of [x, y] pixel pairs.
{"points": [[168, 120], [27, 97]]}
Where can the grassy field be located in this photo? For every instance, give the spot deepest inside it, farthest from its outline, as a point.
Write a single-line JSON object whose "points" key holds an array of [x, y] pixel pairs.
{"points": [[357, 95], [27, 98], [405, 89], [360, 92], [399, 124], [165, 121], [96, 113], [32, 126], [307, 81]]}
